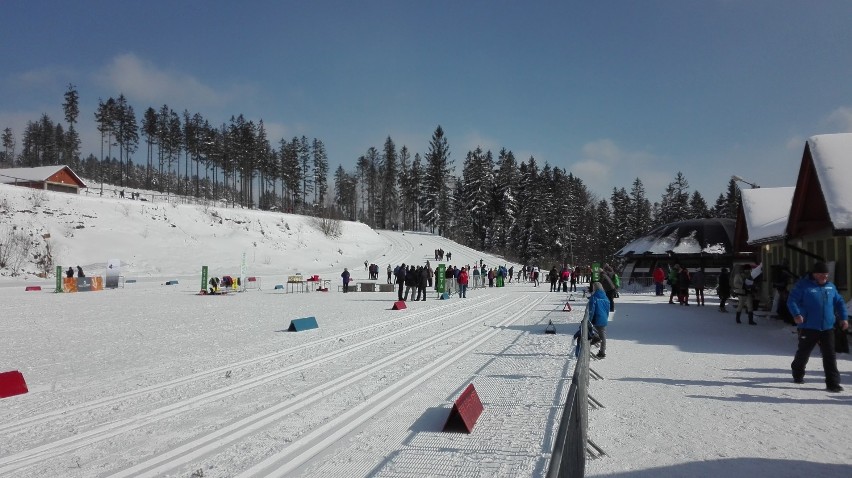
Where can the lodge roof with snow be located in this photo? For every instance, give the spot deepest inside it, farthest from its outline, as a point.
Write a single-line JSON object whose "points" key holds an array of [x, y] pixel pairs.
{"points": [[765, 212], [823, 197], [694, 236]]}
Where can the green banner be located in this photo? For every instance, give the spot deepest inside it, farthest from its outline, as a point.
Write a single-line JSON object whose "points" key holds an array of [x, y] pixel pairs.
{"points": [[441, 279], [58, 279], [596, 272], [203, 277]]}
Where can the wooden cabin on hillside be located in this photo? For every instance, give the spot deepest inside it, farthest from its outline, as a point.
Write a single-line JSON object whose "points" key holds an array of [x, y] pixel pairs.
{"points": [[50, 178]]}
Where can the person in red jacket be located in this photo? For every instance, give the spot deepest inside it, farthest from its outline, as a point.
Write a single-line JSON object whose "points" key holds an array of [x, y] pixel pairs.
{"points": [[463, 278], [659, 279]]}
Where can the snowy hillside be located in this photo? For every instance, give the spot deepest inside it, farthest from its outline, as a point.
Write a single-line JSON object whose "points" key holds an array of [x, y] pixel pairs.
{"points": [[147, 237]]}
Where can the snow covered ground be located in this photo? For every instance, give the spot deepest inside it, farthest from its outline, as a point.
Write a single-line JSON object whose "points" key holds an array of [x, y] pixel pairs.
{"points": [[154, 380]]}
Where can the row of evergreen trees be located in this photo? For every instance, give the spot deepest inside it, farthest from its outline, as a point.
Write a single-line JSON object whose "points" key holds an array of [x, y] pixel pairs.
{"points": [[524, 211]]}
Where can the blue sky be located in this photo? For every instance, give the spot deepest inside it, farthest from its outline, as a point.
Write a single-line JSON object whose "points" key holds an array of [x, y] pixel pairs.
{"points": [[609, 90]]}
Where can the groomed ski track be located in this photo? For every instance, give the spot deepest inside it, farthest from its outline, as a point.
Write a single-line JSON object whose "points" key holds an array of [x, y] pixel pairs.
{"points": [[291, 412]]}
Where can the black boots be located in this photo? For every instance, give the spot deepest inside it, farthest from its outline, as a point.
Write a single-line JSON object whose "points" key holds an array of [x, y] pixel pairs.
{"points": [[750, 318]]}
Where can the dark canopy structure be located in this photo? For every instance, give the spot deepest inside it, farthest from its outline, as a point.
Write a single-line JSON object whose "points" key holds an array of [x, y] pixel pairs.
{"points": [[706, 244]]}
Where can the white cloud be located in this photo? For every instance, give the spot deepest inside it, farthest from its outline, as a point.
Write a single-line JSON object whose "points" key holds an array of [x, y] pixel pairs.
{"points": [[604, 165], [143, 81], [795, 143], [842, 118], [473, 140], [275, 132], [44, 78]]}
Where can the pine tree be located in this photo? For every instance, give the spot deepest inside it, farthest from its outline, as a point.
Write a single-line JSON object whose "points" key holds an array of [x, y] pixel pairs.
{"points": [[320, 171], [126, 133], [390, 173], [345, 192], [639, 216], [698, 206], [305, 168], [288, 154], [674, 205], [405, 194], [579, 221], [435, 185], [149, 130], [416, 185], [475, 192], [732, 200], [621, 232], [71, 107], [8, 147], [504, 202], [604, 227]]}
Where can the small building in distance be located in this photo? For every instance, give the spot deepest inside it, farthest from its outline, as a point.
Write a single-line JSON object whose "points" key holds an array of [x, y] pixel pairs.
{"points": [[706, 244], [50, 178]]}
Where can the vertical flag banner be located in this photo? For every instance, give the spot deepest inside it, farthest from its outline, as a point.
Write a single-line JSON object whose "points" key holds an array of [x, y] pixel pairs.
{"points": [[203, 277], [441, 280]]}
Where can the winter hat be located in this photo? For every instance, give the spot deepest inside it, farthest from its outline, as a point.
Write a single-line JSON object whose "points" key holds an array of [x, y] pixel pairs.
{"points": [[820, 268]]}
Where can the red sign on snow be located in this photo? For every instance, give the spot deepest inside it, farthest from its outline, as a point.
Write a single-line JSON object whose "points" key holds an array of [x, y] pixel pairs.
{"points": [[12, 383], [465, 411]]}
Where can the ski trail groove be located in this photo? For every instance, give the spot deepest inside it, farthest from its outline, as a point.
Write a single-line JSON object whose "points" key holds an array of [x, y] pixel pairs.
{"points": [[83, 407], [302, 450], [103, 432], [213, 442]]}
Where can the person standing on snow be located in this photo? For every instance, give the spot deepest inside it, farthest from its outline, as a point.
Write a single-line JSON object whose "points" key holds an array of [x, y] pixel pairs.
{"points": [[697, 282], [463, 277], [400, 279], [743, 286], [345, 276], [724, 289], [552, 277], [599, 314], [659, 279], [816, 305]]}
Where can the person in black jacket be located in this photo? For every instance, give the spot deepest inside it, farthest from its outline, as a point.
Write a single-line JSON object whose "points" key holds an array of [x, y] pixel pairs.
{"points": [[411, 279], [69, 273], [422, 281], [80, 272], [724, 288], [400, 279], [345, 276]]}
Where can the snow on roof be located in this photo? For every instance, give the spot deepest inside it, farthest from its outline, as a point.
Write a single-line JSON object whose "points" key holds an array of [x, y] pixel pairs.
{"points": [[832, 156], [766, 212], [694, 236], [41, 173]]}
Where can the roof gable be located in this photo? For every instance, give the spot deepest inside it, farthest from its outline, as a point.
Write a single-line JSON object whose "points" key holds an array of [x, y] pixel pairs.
{"points": [[823, 198], [56, 173]]}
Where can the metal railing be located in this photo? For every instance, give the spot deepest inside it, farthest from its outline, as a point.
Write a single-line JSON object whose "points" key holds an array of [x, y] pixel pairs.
{"points": [[569, 450]]}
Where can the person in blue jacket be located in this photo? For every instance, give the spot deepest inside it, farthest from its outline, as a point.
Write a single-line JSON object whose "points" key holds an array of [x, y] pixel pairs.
{"points": [[815, 305], [599, 314]]}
